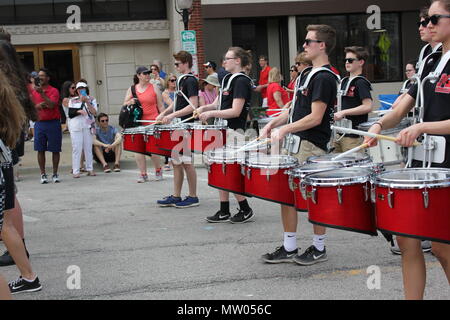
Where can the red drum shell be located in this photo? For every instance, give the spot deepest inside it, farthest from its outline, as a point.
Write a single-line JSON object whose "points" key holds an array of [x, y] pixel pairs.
{"points": [[226, 176], [168, 140], [134, 142], [274, 189], [300, 203], [151, 146], [354, 214], [410, 218], [203, 140]]}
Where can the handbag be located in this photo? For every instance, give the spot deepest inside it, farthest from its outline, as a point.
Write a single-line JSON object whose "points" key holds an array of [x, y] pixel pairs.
{"points": [[129, 114]]}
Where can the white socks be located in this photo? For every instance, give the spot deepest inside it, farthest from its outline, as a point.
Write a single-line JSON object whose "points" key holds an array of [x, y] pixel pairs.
{"points": [[319, 241], [290, 241]]}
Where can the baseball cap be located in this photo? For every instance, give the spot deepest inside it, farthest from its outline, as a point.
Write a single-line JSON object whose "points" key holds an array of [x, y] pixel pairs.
{"points": [[81, 85], [142, 69]]}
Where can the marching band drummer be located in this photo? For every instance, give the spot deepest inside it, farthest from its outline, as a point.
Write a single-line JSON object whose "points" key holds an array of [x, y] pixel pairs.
{"points": [[187, 87], [234, 107], [356, 101], [311, 122], [436, 122]]}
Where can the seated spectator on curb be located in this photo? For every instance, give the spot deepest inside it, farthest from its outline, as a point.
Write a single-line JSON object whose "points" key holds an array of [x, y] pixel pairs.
{"points": [[107, 144]]}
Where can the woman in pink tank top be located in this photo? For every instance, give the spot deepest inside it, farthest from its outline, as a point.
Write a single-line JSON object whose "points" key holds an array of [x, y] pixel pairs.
{"points": [[150, 98]]}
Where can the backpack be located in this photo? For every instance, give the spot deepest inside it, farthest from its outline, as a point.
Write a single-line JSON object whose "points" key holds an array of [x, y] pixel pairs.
{"points": [[129, 114]]}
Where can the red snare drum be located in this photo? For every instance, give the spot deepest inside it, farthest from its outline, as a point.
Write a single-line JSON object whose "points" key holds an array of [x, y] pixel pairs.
{"points": [[414, 203], [207, 137], [172, 137], [341, 199], [266, 178], [150, 143], [134, 140], [225, 171], [296, 177]]}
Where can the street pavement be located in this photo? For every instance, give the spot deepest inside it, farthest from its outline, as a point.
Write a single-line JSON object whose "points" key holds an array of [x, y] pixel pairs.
{"points": [[126, 247]]}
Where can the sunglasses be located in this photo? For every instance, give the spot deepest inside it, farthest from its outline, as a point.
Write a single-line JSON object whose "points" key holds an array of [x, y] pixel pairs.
{"points": [[350, 60], [434, 19], [293, 70], [104, 120], [172, 80], [72, 88], [308, 41], [154, 70], [177, 64], [423, 23], [146, 73]]}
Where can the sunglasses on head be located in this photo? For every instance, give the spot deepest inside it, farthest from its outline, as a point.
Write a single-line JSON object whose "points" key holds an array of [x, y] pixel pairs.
{"points": [[434, 19], [423, 23], [350, 60], [309, 41]]}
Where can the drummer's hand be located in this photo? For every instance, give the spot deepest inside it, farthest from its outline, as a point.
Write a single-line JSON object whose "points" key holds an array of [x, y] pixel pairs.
{"points": [[205, 116], [376, 128], [339, 116], [408, 136], [159, 118], [265, 132], [167, 119], [277, 135]]}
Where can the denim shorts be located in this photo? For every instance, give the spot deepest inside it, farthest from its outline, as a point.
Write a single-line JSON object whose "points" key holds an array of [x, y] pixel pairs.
{"points": [[48, 136]]}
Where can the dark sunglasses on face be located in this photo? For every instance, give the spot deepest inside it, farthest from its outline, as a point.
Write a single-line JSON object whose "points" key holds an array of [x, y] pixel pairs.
{"points": [[293, 70], [73, 88], [434, 19], [146, 73], [104, 120], [177, 64], [308, 41], [173, 80], [350, 60], [423, 23]]}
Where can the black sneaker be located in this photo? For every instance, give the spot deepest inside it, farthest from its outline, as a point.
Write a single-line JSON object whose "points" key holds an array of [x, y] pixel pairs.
{"points": [[7, 260], [242, 216], [219, 217], [280, 255], [311, 256], [22, 285]]}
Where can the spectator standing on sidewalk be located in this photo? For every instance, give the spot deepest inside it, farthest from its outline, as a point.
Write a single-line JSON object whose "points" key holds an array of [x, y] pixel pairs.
{"points": [[47, 130], [107, 144], [82, 112], [68, 91], [263, 82]]}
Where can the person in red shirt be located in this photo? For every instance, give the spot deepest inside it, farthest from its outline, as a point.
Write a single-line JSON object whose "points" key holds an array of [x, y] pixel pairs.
{"points": [[293, 74], [47, 130], [277, 97], [263, 79]]}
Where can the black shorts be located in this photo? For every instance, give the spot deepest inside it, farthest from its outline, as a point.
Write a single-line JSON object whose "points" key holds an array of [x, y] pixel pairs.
{"points": [[109, 157], [8, 175]]}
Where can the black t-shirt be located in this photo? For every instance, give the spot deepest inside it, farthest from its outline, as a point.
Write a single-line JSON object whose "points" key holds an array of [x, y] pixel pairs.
{"points": [[189, 86], [437, 99], [322, 87], [358, 91], [241, 88]]}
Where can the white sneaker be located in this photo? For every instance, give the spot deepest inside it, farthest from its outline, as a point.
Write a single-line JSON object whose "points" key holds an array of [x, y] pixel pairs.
{"points": [[55, 178], [142, 179], [426, 245], [44, 179], [159, 175]]}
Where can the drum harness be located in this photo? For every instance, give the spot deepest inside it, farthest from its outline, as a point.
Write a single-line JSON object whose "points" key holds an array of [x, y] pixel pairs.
{"points": [[292, 141], [345, 123], [180, 92], [433, 147]]}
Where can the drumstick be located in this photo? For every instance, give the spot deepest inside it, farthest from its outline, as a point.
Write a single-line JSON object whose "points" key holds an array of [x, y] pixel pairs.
{"points": [[363, 146], [186, 120], [369, 134], [146, 121]]}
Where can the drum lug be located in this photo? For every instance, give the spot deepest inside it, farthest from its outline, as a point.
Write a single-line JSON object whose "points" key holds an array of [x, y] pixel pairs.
{"points": [[339, 193], [426, 199], [268, 175], [303, 190], [145, 138], [224, 168], [373, 194], [132, 138], [314, 195], [292, 185], [366, 192], [157, 135], [249, 173], [390, 197], [243, 170], [208, 167]]}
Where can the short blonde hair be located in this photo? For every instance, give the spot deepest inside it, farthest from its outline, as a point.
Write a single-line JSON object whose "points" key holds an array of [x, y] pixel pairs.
{"points": [[168, 78], [274, 75], [302, 59]]}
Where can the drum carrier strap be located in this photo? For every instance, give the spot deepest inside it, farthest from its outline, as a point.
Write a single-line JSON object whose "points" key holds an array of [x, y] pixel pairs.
{"points": [[177, 89]]}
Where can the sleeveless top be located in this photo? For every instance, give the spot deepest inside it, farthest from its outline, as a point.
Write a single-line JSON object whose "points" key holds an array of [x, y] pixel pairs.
{"points": [[149, 103]]}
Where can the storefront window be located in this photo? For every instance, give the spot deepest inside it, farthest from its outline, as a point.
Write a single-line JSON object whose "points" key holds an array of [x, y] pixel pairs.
{"points": [[384, 45], [55, 11]]}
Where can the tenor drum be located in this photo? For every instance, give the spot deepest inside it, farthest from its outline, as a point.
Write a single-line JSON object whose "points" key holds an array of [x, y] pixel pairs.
{"points": [[266, 178], [172, 137], [296, 181], [150, 142], [414, 203], [347, 161], [341, 199], [207, 137], [134, 140], [225, 171], [386, 151]]}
